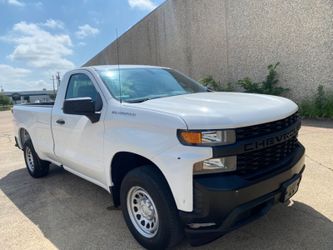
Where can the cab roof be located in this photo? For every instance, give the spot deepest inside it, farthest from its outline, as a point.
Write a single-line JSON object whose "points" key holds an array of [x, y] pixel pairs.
{"points": [[122, 66]]}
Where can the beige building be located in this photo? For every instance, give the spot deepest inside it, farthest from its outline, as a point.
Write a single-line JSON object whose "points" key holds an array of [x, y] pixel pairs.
{"points": [[232, 39], [37, 96]]}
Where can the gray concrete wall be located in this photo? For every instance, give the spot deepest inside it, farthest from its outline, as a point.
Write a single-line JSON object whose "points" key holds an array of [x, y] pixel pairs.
{"points": [[232, 39]]}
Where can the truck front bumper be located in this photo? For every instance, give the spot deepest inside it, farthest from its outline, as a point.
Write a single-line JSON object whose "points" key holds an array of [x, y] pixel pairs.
{"points": [[225, 202]]}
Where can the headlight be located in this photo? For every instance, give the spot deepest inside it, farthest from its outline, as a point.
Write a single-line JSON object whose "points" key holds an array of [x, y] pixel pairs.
{"points": [[207, 137], [215, 165]]}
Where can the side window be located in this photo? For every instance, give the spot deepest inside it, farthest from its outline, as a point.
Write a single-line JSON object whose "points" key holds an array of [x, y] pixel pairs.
{"points": [[80, 85]]}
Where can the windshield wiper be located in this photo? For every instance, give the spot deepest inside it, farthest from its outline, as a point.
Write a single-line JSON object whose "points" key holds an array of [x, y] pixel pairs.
{"points": [[138, 100], [146, 98]]}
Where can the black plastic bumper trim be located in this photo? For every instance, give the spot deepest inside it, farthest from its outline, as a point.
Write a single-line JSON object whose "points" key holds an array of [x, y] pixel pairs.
{"points": [[230, 204]]}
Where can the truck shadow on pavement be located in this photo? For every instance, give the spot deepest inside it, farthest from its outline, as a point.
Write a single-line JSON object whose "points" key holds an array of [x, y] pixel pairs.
{"points": [[75, 214]]}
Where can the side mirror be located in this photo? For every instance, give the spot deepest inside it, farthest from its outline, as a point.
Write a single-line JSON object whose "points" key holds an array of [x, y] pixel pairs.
{"points": [[98, 103], [81, 106]]}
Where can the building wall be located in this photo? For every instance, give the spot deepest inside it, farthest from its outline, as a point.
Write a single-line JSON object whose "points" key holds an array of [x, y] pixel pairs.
{"points": [[29, 96], [232, 39]]}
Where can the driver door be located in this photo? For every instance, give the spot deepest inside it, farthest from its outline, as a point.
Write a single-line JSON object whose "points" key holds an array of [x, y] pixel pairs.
{"points": [[78, 141]]}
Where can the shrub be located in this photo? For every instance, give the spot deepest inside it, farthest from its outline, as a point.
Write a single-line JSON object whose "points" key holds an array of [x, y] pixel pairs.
{"points": [[53, 96], [319, 106], [214, 85], [5, 108], [269, 86]]}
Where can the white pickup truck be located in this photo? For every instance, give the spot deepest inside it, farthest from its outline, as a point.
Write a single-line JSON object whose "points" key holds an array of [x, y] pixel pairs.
{"points": [[177, 158]]}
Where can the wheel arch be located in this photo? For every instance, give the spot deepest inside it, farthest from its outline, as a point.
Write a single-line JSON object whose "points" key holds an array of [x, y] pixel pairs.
{"points": [[23, 136], [123, 162]]}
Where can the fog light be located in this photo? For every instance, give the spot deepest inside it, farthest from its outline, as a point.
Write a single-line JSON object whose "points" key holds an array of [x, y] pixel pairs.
{"points": [[216, 165]]}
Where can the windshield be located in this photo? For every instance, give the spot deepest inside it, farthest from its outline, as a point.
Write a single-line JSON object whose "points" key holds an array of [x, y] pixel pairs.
{"points": [[142, 84]]}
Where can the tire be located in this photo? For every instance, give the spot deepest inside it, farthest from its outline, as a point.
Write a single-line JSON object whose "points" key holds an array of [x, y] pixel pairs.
{"points": [[36, 167], [139, 185]]}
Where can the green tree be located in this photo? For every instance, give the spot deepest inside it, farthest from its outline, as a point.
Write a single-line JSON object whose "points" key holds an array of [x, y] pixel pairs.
{"points": [[4, 100]]}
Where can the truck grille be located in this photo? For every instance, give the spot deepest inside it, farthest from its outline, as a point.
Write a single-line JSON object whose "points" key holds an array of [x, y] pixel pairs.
{"points": [[266, 128], [268, 159]]}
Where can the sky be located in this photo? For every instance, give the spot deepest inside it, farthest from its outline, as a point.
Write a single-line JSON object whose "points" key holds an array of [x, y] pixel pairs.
{"points": [[40, 38]]}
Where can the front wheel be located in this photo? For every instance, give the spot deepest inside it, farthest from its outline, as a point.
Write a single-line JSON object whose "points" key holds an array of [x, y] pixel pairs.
{"points": [[149, 209], [36, 167]]}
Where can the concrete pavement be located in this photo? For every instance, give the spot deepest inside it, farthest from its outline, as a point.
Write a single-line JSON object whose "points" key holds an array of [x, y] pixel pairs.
{"points": [[63, 211]]}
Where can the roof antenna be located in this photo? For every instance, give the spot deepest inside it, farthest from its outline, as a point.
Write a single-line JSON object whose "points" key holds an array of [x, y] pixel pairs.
{"points": [[120, 88]]}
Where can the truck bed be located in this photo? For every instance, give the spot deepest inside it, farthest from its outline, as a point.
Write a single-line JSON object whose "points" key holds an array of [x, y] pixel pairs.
{"points": [[36, 118], [42, 104]]}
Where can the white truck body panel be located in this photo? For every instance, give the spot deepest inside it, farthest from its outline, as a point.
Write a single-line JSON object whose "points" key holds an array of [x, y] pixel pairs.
{"points": [[37, 120], [79, 144], [222, 110]]}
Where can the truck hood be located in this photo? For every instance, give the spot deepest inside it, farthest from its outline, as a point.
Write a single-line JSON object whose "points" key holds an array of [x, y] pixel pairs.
{"points": [[219, 110]]}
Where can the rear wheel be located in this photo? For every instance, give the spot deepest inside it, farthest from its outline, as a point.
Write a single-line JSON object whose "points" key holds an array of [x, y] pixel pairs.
{"points": [[36, 167], [149, 209]]}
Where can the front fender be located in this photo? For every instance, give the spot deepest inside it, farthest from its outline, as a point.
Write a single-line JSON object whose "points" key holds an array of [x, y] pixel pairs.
{"points": [[153, 135]]}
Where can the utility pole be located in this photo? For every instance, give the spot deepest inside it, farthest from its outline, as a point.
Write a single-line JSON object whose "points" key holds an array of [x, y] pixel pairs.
{"points": [[58, 79], [53, 84]]}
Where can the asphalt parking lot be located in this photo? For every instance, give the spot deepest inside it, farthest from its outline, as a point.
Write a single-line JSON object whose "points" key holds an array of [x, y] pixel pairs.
{"points": [[63, 211]]}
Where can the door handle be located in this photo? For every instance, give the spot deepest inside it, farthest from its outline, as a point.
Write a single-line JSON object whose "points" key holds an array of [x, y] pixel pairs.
{"points": [[60, 121]]}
